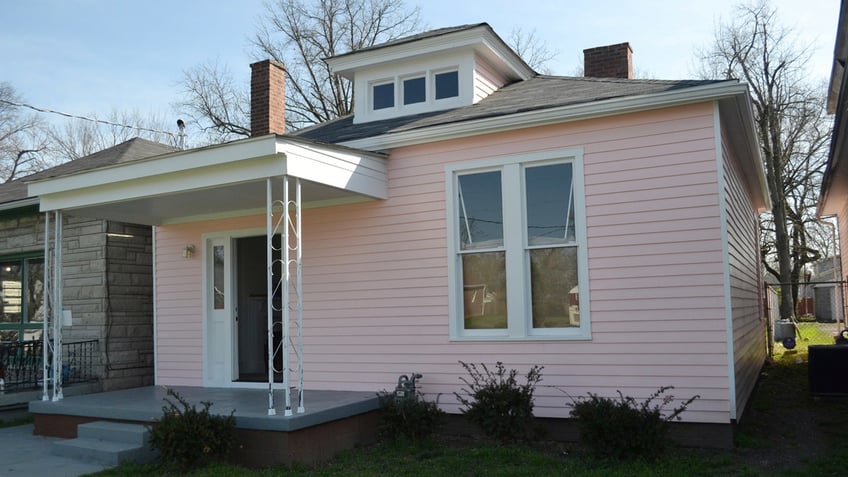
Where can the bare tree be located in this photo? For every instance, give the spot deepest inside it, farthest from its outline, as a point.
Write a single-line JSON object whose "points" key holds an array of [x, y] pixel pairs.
{"points": [[23, 138], [78, 138], [793, 133], [533, 50], [215, 102], [300, 34]]}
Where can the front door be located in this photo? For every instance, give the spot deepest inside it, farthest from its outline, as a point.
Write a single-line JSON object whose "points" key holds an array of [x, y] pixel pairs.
{"points": [[220, 312], [252, 321]]}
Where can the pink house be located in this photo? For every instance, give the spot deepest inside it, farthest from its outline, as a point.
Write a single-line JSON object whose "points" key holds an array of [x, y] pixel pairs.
{"points": [[470, 209], [834, 192]]}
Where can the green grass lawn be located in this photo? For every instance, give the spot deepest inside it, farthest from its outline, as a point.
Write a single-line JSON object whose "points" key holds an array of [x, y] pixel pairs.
{"points": [[784, 432]]}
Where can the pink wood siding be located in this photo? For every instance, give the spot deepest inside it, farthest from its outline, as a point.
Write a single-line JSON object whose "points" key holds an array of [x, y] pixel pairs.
{"points": [[375, 273], [842, 223], [486, 80], [179, 306], [749, 347]]}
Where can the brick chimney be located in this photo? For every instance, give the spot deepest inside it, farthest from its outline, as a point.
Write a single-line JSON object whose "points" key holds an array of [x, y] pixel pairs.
{"points": [[612, 61], [267, 98]]}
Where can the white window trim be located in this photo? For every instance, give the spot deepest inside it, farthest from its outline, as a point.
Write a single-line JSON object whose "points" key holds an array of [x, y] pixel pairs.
{"points": [[402, 83], [365, 81], [440, 71], [371, 96], [519, 326]]}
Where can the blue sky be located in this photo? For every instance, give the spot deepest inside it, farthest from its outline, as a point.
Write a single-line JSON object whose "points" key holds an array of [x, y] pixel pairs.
{"points": [[93, 56]]}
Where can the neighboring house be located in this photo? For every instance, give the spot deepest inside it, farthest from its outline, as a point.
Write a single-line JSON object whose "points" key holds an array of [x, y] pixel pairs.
{"points": [[834, 192], [470, 209], [826, 291], [107, 276]]}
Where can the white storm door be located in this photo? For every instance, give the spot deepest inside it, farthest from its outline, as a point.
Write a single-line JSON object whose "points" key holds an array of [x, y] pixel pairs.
{"points": [[220, 305]]}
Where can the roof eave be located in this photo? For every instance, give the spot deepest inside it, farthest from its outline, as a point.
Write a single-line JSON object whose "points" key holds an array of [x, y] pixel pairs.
{"points": [[481, 37], [602, 108], [19, 204]]}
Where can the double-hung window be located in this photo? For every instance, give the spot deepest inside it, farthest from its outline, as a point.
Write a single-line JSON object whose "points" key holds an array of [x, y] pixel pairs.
{"points": [[518, 248]]}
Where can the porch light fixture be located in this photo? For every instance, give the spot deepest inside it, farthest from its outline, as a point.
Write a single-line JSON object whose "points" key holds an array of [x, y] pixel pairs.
{"points": [[188, 251], [111, 234]]}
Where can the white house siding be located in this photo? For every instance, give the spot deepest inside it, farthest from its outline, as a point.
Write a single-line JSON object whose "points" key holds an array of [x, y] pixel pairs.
{"points": [[486, 79], [748, 318]]}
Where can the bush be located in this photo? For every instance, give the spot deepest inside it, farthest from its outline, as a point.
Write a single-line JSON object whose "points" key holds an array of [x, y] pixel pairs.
{"points": [[623, 428], [188, 438], [497, 404], [412, 418]]}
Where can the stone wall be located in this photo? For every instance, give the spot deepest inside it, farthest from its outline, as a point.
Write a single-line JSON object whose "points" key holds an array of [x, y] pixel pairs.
{"points": [[108, 286], [129, 291]]}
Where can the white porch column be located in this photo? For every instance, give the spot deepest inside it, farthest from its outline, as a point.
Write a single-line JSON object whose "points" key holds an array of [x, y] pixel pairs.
{"points": [[57, 308], [287, 288], [48, 303], [269, 293], [51, 362]]}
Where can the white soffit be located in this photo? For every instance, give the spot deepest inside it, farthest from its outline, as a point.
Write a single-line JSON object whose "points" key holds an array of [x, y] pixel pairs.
{"points": [[222, 180], [482, 39]]}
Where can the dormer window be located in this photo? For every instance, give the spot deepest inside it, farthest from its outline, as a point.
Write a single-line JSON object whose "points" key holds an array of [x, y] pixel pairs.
{"points": [[448, 68], [384, 96], [413, 93], [414, 90], [447, 84]]}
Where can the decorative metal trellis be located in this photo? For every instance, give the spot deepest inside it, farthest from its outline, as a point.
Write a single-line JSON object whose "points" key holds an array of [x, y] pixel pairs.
{"points": [[53, 312], [285, 297]]}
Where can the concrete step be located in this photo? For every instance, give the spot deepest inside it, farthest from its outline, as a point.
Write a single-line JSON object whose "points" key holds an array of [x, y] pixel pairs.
{"points": [[108, 443], [114, 431]]}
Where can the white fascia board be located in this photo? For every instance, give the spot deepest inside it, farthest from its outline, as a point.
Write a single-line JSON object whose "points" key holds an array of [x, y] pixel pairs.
{"points": [[481, 38], [179, 162], [509, 122], [360, 174], [164, 184], [745, 111], [19, 203]]}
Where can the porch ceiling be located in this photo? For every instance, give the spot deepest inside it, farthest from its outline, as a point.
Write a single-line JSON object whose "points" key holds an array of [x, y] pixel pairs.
{"points": [[219, 181]]}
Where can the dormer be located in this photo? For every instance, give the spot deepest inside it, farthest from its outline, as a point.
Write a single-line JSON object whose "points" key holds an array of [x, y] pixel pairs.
{"points": [[432, 71]]}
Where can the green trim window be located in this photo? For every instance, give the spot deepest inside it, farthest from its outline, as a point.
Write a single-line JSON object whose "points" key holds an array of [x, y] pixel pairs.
{"points": [[21, 298]]}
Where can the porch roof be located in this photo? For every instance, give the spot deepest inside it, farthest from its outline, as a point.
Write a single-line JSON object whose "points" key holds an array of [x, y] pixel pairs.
{"points": [[216, 181]]}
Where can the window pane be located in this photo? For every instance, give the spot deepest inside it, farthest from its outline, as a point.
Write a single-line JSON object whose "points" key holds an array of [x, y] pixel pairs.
{"points": [[447, 85], [413, 91], [480, 211], [550, 204], [35, 290], [218, 276], [384, 96], [10, 292], [484, 290], [553, 282]]}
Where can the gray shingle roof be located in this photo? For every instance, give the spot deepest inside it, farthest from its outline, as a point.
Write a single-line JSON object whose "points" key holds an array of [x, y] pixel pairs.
{"points": [[538, 93], [418, 36], [132, 150]]}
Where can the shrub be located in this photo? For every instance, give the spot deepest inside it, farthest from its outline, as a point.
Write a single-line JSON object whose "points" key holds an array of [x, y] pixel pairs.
{"points": [[412, 418], [623, 428], [496, 403], [188, 438]]}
